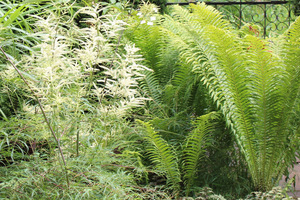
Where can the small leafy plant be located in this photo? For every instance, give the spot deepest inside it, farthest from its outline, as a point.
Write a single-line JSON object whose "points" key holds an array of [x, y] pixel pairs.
{"points": [[179, 164]]}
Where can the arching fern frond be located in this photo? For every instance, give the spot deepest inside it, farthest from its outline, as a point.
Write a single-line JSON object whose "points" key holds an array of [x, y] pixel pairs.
{"points": [[195, 145], [291, 57], [208, 15], [161, 154], [151, 89]]}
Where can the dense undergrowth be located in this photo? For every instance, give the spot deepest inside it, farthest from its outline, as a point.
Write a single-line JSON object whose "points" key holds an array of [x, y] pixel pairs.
{"points": [[117, 102]]}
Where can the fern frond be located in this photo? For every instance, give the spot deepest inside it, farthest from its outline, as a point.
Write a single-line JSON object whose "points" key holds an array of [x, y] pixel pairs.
{"points": [[161, 154], [267, 89], [194, 147], [289, 54], [291, 59], [148, 39], [184, 80], [151, 88], [208, 15]]}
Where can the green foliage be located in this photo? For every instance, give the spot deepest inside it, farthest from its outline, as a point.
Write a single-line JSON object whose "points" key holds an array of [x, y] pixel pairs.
{"points": [[177, 97], [91, 178], [93, 84], [16, 24], [86, 79], [190, 155], [161, 154], [10, 99], [249, 82], [207, 193], [195, 146], [17, 38], [277, 193], [225, 169], [172, 85], [296, 4]]}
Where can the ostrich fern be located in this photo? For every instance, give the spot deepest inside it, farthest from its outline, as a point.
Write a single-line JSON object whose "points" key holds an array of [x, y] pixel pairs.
{"points": [[194, 147], [161, 153], [191, 154], [172, 86], [254, 82]]}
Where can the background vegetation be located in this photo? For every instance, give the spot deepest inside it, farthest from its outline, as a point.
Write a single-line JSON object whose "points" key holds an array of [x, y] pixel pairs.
{"points": [[114, 100]]}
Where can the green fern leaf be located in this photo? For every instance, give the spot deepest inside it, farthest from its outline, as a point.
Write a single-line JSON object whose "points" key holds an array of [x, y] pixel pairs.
{"points": [[194, 147], [161, 154]]}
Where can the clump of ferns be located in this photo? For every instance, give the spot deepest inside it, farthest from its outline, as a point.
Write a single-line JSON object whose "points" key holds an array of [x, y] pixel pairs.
{"points": [[180, 164], [260, 84]]}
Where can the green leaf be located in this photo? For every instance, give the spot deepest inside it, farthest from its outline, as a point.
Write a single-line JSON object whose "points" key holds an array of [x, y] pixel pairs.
{"points": [[13, 16], [161, 154]]}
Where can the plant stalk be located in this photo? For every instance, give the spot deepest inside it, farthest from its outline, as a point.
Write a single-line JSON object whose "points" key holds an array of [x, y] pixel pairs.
{"points": [[43, 112]]}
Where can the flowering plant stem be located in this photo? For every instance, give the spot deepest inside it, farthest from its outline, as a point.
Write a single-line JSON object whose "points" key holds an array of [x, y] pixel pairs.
{"points": [[44, 114]]}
